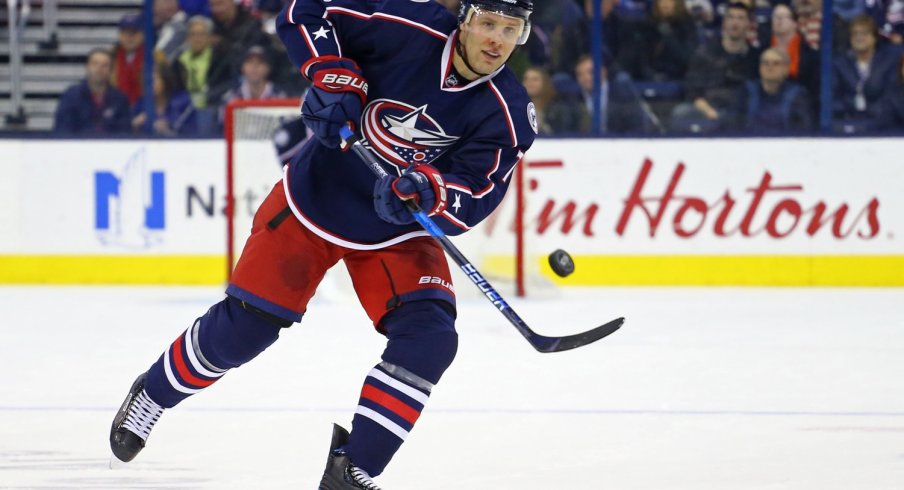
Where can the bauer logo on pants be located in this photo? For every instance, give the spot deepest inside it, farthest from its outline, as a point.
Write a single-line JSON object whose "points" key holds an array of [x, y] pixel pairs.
{"points": [[436, 280]]}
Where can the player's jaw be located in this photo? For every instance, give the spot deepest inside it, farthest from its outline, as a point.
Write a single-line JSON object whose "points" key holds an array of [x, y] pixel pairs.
{"points": [[483, 54]]}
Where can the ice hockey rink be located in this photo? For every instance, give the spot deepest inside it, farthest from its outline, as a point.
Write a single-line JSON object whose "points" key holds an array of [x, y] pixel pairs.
{"points": [[703, 388]]}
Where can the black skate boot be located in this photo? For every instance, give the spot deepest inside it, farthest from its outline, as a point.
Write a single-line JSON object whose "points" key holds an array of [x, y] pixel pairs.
{"points": [[340, 472], [133, 423]]}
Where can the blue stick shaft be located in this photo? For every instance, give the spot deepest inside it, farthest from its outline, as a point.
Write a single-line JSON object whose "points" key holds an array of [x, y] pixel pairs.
{"points": [[541, 343]]}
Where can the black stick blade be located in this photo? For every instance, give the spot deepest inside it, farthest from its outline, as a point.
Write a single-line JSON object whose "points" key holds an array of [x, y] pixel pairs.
{"points": [[559, 344]]}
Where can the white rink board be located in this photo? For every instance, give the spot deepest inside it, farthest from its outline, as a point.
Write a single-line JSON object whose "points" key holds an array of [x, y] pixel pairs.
{"points": [[825, 211], [63, 186], [50, 190], [637, 214]]}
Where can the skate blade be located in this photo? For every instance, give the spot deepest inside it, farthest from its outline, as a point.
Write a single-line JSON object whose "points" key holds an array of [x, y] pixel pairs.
{"points": [[116, 463]]}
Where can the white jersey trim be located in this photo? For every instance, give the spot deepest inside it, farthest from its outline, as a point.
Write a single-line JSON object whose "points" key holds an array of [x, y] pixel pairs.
{"points": [[455, 221], [335, 239], [508, 115]]}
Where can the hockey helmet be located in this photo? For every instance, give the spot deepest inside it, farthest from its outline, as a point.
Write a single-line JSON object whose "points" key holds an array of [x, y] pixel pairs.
{"points": [[518, 9]]}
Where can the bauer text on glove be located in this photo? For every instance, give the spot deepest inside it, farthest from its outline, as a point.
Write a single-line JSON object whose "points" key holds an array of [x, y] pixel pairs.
{"points": [[338, 93]]}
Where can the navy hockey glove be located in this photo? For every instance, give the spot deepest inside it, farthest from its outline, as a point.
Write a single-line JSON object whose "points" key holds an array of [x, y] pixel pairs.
{"points": [[423, 183], [336, 97]]}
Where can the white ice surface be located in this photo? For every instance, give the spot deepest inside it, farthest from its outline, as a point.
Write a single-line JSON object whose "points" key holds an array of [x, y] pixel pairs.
{"points": [[702, 389]]}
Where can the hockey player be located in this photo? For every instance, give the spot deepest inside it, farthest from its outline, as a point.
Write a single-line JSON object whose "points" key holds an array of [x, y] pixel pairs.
{"points": [[431, 97]]}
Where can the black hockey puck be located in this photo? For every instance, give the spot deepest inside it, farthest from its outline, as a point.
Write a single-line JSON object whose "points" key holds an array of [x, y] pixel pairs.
{"points": [[561, 263]]}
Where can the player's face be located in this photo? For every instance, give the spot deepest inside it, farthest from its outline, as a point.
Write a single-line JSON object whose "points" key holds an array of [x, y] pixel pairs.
{"points": [[488, 40]]}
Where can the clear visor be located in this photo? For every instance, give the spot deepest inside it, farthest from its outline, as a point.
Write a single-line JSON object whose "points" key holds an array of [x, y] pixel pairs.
{"points": [[494, 23]]}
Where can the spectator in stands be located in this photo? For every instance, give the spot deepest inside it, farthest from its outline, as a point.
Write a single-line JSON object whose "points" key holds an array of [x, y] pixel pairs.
{"points": [[171, 24], [803, 60], [620, 111], [235, 30], [93, 106], [889, 15], [891, 113], [809, 17], [773, 103], [701, 11], [760, 10], [563, 24], [202, 68], [254, 83], [861, 77], [554, 114], [716, 71], [128, 57], [174, 112], [583, 73], [659, 48]]}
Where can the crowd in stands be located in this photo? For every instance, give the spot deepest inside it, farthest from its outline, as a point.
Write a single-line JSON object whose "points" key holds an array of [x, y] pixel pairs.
{"points": [[717, 66], [668, 66], [207, 53]]}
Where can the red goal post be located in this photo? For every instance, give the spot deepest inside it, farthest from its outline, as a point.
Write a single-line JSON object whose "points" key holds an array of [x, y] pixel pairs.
{"points": [[496, 247]]}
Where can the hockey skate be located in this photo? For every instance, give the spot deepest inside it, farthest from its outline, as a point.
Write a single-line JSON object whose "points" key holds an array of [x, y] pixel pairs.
{"points": [[340, 472], [133, 423]]}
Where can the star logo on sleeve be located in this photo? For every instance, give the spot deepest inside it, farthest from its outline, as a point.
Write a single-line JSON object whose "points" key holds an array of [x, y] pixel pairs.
{"points": [[457, 203], [321, 33]]}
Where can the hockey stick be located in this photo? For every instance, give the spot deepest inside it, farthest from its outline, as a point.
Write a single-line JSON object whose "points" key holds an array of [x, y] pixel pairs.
{"points": [[540, 342]]}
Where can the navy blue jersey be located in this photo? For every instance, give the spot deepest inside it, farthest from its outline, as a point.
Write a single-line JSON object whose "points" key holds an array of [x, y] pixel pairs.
{"points": [[473, 132]]}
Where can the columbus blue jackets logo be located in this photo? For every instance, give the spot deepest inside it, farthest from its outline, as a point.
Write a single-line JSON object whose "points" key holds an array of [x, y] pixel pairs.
{"points": [[404, 135]]}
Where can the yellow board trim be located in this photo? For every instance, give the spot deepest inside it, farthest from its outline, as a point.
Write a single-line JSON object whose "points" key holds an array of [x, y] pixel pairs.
{"points": [[733, 270], [113, 269], [590, 270]]}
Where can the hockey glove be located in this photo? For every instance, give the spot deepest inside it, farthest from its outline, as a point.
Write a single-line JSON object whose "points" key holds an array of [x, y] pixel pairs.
{"points": [[336, 97], [423, 183]]}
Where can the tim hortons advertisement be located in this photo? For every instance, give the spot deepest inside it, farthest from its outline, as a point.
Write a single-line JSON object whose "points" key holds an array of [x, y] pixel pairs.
{"points": [[747, 211], [752, 196], [712, 211]]}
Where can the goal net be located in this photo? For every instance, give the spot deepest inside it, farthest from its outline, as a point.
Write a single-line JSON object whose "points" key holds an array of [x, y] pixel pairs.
{"points": [[497, 247]]}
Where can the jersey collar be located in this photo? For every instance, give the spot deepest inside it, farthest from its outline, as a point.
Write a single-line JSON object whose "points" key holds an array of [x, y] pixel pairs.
{"points": [[446, 67]]}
